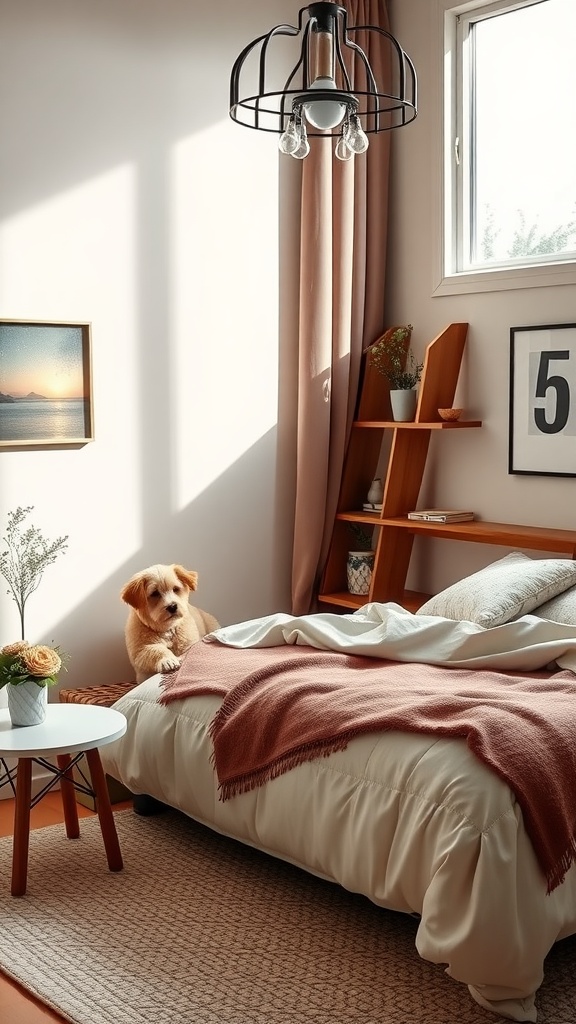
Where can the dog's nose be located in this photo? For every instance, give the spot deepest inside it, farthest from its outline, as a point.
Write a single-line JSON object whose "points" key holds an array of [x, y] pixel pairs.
{"points": [[172, 608]]}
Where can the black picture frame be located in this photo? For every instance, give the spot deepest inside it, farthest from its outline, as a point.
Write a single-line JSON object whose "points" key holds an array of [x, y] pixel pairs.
{"points": [[542, 408], [45, 384]]}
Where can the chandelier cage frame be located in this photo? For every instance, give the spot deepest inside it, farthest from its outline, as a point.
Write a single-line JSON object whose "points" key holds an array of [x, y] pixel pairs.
{"points": [[326, 37]]}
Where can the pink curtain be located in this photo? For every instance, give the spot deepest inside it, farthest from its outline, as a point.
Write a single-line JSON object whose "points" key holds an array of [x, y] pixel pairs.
{"points": [[343, 227]]}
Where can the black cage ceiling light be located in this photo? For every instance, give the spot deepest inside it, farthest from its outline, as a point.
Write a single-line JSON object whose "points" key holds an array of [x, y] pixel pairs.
{"points": [[331, 89]]}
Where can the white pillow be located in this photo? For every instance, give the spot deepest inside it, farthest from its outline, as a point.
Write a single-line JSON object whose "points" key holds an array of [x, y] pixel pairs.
{"points": [[510, 587], [559, 609]]}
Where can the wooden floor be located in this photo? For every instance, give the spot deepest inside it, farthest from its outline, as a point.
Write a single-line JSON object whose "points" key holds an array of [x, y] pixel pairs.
{"points": [[16, 1005]]}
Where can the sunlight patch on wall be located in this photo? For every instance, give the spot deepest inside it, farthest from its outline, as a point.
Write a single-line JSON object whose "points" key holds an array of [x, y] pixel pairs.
{"points": [[61, 242], [72, 257], [224, 301]]}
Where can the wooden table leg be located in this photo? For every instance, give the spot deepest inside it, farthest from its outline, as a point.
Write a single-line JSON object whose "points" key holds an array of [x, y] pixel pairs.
{"points": [[21, 826], [68, 797], [104, 811]]}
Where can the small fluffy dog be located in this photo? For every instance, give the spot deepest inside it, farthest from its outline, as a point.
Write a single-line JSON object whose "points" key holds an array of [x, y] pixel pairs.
{"points": [[162, 624]]}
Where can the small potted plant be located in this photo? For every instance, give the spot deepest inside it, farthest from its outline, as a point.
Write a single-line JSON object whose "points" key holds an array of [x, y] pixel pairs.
{"points": [[360, 561], [27, 670], [393, 358]]}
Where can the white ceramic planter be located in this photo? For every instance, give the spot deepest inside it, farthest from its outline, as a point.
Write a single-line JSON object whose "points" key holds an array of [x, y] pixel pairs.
{"points": [[27, 703], [403, 404], [359, 571]]}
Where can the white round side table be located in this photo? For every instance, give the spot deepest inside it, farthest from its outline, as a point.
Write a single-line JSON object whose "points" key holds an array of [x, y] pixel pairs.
{"points": [[67, 730]]}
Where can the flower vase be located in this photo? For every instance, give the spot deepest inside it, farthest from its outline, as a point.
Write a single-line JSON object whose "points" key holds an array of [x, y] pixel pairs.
{"points": [[403, 404], [27, 702], [359, 571]]}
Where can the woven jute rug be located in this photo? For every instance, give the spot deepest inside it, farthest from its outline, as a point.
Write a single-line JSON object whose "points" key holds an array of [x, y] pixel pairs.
{"points": [[199, 929]]}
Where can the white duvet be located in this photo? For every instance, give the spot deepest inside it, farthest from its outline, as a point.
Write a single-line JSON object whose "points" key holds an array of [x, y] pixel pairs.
{"points": [[416, 824], [390, 631]]}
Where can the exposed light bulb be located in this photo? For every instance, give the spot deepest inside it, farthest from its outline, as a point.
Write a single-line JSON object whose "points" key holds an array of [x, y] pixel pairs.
{"points": [[342, 152], [303, 150], [290, 139], [324, 114], [304, 146], [355, 136]]}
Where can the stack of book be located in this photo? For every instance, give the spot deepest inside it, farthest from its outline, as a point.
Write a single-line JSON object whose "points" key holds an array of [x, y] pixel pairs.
{"points": [[372, 506], [441, 515]]}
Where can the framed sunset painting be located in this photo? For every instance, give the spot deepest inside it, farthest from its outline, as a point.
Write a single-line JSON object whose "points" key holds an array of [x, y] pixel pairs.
{"points": [[45, 384]]}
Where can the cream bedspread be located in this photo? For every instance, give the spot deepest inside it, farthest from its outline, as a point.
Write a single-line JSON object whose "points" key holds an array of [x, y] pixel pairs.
{"points": [[416, 824]]}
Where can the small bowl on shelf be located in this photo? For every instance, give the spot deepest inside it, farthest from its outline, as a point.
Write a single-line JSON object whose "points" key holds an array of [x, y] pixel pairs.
{"points": [[450, 414]]}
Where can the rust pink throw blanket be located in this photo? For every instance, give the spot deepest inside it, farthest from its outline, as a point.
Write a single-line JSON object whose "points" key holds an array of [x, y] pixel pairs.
{"points": [[285, 705]]}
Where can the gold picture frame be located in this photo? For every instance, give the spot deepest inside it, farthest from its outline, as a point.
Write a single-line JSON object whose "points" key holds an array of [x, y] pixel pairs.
{"points": [[45, 384]]}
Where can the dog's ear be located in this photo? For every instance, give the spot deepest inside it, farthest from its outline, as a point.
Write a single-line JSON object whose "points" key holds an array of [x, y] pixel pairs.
{"points": [[186, 576], [134, 592]]}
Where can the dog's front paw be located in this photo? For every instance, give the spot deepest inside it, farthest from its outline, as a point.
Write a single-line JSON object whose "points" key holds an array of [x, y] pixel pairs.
{"points": [[168, 663]]}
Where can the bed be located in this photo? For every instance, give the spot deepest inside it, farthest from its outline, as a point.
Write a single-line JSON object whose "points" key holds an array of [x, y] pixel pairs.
{"points": [[430, 814]]}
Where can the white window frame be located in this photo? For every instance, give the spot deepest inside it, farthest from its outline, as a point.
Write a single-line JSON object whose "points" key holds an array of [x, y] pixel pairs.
{"points": [[452, 187]]}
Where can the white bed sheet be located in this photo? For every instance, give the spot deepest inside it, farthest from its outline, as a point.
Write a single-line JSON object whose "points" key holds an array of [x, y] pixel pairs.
{"points": [[414, 823]]}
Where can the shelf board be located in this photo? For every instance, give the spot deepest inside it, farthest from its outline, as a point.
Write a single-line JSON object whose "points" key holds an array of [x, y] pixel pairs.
{"points": [[413, 425], [372, 518], [411, 600], [537, 538], [414, 599], [343, 599]]}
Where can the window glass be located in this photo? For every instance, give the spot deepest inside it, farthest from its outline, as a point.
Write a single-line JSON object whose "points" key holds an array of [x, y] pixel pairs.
{"points": [[512, 136]]}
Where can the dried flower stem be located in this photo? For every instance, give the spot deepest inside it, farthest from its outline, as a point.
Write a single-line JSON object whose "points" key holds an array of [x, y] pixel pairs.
{"points": [[27, 556], [391, 356]]}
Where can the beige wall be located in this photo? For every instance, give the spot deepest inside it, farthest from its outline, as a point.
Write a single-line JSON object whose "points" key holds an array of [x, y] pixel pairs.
{"points": [[465, 469], [129, 198]]}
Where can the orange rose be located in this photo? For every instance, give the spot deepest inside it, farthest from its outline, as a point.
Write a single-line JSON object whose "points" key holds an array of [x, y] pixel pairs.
{"points": [[15, 648], [40, 661]]}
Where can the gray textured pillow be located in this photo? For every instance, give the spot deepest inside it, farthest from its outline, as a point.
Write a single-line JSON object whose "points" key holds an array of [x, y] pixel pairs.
{"points": [[559, 609], [512, 586]]}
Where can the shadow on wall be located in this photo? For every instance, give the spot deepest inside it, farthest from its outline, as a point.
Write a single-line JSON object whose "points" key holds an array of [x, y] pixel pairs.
{"points": [[102, 89], [211, 535], [105, 84]]}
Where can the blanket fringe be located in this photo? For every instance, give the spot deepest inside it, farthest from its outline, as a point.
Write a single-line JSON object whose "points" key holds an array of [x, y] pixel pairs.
{"points": [[245, 783], [561, 869]]}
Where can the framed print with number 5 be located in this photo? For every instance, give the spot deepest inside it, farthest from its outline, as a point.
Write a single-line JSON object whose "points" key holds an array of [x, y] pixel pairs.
{"points": [[542, 438]]}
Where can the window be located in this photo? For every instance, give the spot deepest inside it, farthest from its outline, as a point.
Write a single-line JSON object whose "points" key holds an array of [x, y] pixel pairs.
{"points": [[510, 136]]}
